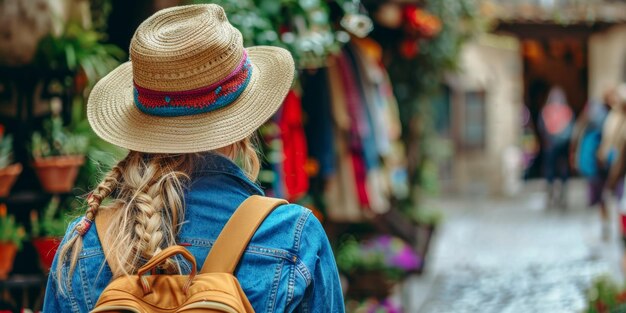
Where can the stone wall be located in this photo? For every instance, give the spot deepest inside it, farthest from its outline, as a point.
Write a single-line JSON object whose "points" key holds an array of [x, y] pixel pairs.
{"points": [[607, 60], [491, 64]]}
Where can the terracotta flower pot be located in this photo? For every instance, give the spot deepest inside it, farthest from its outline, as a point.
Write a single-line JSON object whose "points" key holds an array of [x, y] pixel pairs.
{"points": [[8, 176], [58, 174], [7, 256], [46, 249]]}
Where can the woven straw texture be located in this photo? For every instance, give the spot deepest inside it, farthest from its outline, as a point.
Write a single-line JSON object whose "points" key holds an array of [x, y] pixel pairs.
{"points": [[180, 49]]}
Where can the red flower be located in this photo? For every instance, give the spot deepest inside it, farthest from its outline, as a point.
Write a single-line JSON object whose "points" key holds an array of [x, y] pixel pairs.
{"points": [[283, 29], [1, 131], [409, 48], [420, 21], [621, 297], [80, 81], [409, 12]]}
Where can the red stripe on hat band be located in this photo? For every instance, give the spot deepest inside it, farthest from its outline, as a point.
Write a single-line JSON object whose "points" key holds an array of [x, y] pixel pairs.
{"points": [[195, 97]]}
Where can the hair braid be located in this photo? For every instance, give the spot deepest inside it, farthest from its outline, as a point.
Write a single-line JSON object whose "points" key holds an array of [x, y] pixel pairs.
{"points": [[151, 205], [148, 232], [147, 208], [75, 243], [103, 190]]}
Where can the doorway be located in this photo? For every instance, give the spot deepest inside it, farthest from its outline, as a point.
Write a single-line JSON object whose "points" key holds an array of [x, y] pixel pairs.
{"points": [[551, 62]]}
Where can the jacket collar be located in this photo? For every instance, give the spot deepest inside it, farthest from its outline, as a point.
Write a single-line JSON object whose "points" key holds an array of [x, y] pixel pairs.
{"points": [[215, 163]]}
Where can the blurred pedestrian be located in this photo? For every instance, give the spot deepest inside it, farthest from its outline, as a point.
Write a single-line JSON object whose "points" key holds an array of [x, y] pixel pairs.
{"points": [[556, 123], [612, 153], [584, 148]]}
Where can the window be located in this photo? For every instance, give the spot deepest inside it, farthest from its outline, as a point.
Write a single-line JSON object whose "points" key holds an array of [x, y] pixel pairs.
{"points": [[473, 121]]}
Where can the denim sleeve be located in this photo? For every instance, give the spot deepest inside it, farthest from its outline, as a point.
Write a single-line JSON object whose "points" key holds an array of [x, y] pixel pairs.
{"points": [[324, 293], [51, 301], [54, 300]]}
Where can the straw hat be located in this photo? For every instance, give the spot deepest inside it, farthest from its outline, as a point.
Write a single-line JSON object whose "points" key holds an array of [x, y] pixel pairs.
{"points": [[189, 86]]}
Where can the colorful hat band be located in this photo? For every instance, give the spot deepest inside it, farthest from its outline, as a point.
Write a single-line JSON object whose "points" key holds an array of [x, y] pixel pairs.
{"points": [[196, 101]]}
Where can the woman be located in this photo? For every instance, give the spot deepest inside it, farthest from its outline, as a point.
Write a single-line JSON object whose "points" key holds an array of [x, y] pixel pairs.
{"points": [[556, 122], [612, 152], [186, 106], [584, 147]]}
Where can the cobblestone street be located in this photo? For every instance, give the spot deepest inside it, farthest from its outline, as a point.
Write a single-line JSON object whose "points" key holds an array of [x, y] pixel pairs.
{"points": [[513, 255]]}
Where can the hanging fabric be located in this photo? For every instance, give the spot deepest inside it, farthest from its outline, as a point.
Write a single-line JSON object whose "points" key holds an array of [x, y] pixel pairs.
{"points": [[342, 203], [294, 148], [316, 103]]}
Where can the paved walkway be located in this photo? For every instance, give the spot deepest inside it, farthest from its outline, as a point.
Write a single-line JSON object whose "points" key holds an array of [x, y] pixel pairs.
{"points": [[514, 255]]}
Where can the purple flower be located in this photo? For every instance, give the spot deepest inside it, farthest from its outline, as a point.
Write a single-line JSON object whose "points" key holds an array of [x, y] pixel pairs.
{"points": [[383, 240], [386, 306], [406, 259]]}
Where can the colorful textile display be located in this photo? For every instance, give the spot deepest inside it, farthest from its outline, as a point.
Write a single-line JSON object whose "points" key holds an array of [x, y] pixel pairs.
{"points": [[285, 148], [366, 130], [347, 119], [294, 148], [319, 127]]}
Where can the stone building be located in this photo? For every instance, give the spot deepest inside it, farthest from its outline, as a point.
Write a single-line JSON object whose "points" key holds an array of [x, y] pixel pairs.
{"points": [[507, 73]]}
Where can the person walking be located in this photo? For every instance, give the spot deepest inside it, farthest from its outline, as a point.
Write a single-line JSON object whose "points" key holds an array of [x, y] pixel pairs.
{"points": [[556, 122], [187, 106], [584, 148], [612, 152]]}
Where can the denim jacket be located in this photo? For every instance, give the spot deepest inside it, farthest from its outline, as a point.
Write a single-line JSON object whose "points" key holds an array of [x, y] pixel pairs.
{"points": [[287, 267]]}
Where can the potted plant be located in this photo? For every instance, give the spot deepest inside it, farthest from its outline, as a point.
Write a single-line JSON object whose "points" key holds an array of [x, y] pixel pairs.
{"points": [[605, 296], [375, 265], [57, 154], [47, 232], [8, 171], [79, 52], [11, 236]]}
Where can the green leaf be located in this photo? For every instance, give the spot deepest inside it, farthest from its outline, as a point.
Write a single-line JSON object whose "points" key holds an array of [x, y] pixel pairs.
{"points": [[70, 57], [89, 69]]}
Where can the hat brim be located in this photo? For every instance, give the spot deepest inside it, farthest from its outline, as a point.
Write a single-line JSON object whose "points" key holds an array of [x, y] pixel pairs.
{"points": [[112, 113]]}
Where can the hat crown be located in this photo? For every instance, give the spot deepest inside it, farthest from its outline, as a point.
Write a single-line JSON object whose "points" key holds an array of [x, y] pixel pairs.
{"points": [[185, 48]]}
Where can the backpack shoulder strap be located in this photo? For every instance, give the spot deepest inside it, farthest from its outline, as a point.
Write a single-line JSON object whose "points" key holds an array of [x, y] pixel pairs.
{"points": [[234, 238], [103, 220]]}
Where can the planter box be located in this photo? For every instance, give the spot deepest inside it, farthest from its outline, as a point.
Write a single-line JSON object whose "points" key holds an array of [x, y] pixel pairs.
{"points": [[425, 234], [418, 235], [368, 284]]}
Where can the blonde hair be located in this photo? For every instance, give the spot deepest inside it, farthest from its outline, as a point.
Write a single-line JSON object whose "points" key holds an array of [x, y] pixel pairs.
{"points": [[147, 203]]}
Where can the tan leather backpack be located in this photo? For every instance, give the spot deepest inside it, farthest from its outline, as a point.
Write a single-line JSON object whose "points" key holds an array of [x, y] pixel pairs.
{"points": [[214, 289]]}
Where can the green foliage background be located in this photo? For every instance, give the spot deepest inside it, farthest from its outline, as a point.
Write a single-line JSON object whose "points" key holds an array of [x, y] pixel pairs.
{"points": [[309, 32], [418, 83]]}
